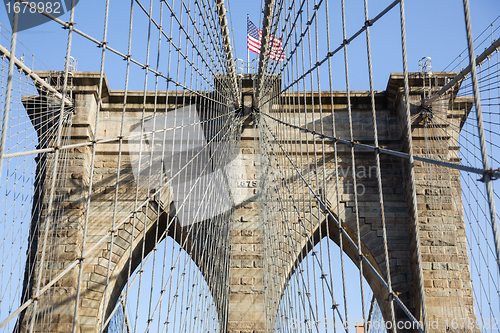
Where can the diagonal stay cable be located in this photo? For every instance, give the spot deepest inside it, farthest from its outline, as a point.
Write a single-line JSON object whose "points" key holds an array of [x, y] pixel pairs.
{"points": [[494, 173], [347, 236], [102, 239], [116, 138], [66, 25], [339, 48], [308, 240]]}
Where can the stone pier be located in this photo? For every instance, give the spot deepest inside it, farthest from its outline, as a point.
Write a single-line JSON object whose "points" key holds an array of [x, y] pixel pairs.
{"points": [[241, 271]]}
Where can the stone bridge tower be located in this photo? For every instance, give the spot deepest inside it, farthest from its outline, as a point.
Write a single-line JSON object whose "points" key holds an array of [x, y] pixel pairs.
{"points": [[241, 275]]}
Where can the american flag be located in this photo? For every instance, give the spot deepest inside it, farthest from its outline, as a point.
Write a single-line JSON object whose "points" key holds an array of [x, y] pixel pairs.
{"points": [[254, 37]]}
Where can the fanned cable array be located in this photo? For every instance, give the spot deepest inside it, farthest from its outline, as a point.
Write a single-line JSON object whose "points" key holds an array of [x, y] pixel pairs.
{"points": [[31, 114], [342, 170], [118, 202], [480, 240], [163, 191]]}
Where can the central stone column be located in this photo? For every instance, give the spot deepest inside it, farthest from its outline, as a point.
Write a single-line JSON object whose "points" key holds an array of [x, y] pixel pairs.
{"points": [[246, 298]]}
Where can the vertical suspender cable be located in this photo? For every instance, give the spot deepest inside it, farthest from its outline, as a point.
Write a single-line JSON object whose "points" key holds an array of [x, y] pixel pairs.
{"points": [[118, 175], [480, 128], [221, 10], [264, 47], [411, 166], [54, 168], [379, 175], [92, 165], [5, 122]]}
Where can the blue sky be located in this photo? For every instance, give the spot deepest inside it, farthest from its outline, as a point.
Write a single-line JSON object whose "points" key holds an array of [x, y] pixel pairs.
{"points": [[434, 28]]}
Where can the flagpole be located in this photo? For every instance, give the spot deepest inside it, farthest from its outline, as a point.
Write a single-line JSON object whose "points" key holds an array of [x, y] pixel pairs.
{"points": [[248, 50]]}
